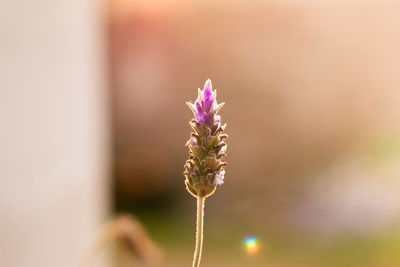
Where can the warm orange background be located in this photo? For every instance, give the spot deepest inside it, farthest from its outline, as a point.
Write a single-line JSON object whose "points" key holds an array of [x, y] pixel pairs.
{"points": [[94, 122]]}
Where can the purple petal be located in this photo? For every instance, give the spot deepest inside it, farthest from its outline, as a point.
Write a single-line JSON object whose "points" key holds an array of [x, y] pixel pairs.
{"points": [[208, 96], [208, 103], [199, 107], [219, 177], [208, 89], [201, 117], [199, 96]]}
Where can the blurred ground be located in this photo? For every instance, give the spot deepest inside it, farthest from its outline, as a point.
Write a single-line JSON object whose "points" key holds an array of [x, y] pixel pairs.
{"points": [[224, 245]]}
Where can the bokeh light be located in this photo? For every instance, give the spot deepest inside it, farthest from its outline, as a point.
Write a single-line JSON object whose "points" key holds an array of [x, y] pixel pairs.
{"points": [[251, 244]]}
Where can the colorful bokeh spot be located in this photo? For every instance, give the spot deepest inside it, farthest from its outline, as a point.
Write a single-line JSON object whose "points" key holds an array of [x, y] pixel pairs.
{"points": [[251, 244]]}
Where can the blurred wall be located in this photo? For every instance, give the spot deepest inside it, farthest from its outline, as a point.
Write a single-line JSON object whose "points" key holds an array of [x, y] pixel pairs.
{"points": [[53, 135]]}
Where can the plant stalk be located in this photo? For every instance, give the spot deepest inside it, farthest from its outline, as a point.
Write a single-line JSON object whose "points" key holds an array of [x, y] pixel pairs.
{"points": [[199, 231]]}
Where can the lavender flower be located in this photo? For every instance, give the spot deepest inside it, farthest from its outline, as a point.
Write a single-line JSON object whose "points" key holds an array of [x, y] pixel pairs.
{"points": [[204, 169]]}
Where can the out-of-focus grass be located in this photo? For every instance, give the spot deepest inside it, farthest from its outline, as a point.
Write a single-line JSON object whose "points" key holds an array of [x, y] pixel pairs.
{"points": [[223, 245]]}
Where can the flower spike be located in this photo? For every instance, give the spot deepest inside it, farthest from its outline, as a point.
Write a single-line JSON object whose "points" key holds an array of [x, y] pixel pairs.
{"points": [[204, 169]]}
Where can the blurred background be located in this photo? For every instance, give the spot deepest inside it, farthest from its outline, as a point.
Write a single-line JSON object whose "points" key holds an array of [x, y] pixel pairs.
{"points": [[94, 123]]}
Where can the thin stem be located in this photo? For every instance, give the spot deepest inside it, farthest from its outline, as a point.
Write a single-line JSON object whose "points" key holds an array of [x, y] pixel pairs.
{"points": [[199, 231]]}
